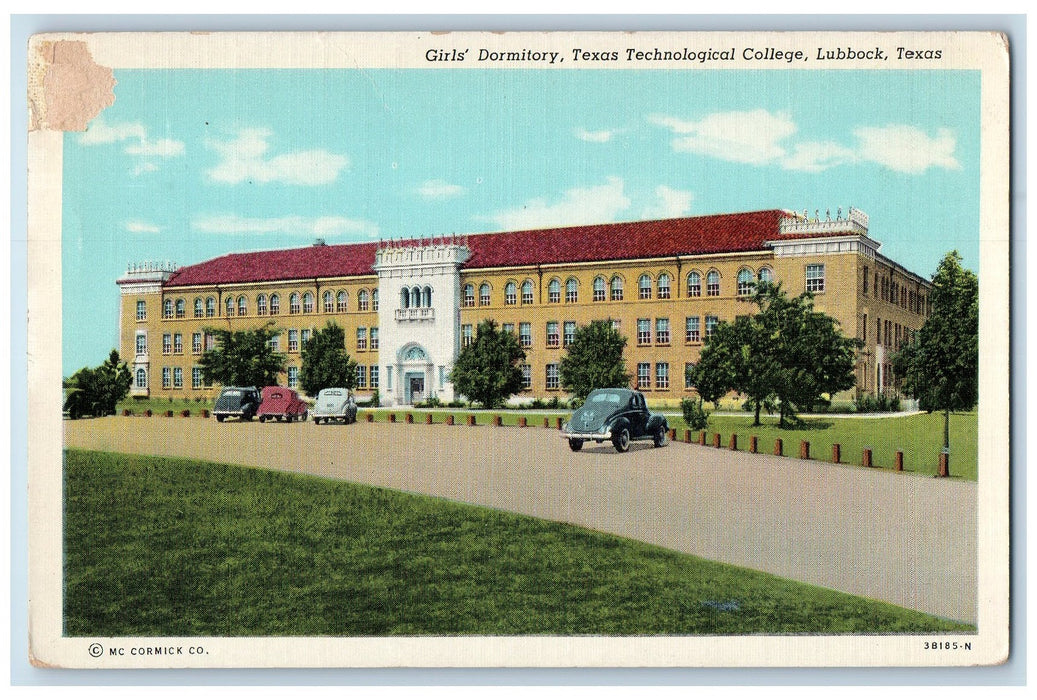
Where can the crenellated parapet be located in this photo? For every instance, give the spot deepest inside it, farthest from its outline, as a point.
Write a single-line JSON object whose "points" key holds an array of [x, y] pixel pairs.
{"points": [[146, 277], [855, 221]]}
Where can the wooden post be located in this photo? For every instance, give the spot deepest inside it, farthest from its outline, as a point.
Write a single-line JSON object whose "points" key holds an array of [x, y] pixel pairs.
{"points": [[702, 437], [496, 421], [370, 417], [471, 419], [547, 423], [804, 449], [522, 421], [558, 422], [945, 467], [778, 447], [673, 434], [428, 419], [837, 452], [899, 461], [716, 440], [687, 436], [732, 444], [409, 418], [753, 446], [392, 417], [450, 419], [866, 458]]}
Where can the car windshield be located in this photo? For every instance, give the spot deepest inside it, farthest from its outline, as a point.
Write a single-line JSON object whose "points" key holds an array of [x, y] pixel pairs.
{"points": [[331, 392], [232, 392], [606, 398]]}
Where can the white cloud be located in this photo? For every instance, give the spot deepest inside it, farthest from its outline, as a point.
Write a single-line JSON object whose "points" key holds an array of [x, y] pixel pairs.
{"points": [[602, 136], [907, 149], [439, 189], [816, 156], [752, 137], [581, 205], [294, 225], [139, 226], [138, 145], [669, 203], [245, 158]]}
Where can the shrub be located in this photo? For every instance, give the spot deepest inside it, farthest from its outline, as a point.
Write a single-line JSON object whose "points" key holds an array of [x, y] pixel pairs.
{"points": [[694, 415], [881, 403]]}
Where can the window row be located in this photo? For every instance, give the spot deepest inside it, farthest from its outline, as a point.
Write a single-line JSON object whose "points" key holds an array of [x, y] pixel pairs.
{"points": [[890, 290], [331, 302], [173, 378]]}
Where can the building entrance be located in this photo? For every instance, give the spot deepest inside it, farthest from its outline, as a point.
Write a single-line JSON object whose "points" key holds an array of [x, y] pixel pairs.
{"points": [[415, 388]]}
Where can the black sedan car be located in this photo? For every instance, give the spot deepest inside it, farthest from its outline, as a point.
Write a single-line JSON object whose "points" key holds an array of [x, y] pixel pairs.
{"points": [[238, 402], [619, 415]]}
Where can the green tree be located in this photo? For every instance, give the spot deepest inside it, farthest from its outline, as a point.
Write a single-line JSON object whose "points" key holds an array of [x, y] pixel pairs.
{"points": [[940, 365], [487, 370], [787, 353], [594, 360], [325, 362], [96, 391], [243, 358]]}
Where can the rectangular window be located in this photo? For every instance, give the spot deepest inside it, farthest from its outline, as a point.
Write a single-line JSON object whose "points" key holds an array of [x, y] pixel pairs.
{"points": [[711, 325], [178, 343], [361, 376], [525, 335], [196, 377], [167, 343], [142, 343], [374, 376], [864, 337], [304, 337], [865, 291], [178, 378], [442, 376], [527, 377], [196, 343], [662, 375], [167, 377], [293, 377], [388, 377], [644, 331], [361, 339], [692, 332], [275, 343], [508, 327], [210, 341], [142, 311], [552, 334], [552, 376], [466, 335], [688, 366], [662, 331], [374, 338], [293, 340], [615, 324], [644, 375], [568, 333]]}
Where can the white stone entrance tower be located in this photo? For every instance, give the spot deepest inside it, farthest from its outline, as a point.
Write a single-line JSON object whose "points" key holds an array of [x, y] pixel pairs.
{"points": [[419, 318]]}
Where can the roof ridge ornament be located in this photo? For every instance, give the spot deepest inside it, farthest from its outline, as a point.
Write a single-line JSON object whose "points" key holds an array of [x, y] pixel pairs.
{"points": [[856, 221]]}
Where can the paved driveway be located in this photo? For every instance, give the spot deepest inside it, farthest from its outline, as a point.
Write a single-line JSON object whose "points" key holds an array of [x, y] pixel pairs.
{"points": [[873, 533]]}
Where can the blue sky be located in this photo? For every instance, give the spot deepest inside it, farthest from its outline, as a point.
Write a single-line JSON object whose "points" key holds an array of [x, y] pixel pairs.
{"points": [[190, 164]]}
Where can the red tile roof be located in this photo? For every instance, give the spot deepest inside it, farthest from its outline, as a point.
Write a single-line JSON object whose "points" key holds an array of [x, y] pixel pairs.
{"points": [[700, 235]]}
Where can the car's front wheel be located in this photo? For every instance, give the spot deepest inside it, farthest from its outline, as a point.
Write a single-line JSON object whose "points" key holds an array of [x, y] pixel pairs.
{"points": [[262, 419], [622, 440], [659, 439], [575, 445], [219, 419]]}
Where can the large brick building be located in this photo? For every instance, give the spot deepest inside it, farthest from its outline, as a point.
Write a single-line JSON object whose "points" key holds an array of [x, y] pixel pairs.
{"points": [[409, 306]]}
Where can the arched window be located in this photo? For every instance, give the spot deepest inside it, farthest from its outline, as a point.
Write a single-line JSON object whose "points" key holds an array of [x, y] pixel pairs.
{"points": [[294, 306], [415, 297], [527, 292], [404, 298], [275, 304], [426, 297], [261, 304], [571, 291], [511, 294], [766, 275], [599, 289], [307, 303], [167, 308], [181, 308], [199, 307], [210, 307], [242, 306], [340, 303], [484, 294], [712, 283], [694, 284], [142, 378], [328, 301], [468, 295], [554, 291], [745, 282], [363, 300], [664, 286], [228, 307], [374, 301], [644, 287], [616, 288]]}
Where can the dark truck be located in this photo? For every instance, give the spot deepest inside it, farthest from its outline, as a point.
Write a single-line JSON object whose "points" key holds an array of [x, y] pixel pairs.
{"points": [[619, 415]]}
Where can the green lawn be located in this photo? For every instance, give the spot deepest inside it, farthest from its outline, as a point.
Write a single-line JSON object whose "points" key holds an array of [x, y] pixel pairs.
{"points": [[166, 547]]}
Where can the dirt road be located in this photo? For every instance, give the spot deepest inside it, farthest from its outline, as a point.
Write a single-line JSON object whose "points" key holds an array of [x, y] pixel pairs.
{"points": [[873, 533]]}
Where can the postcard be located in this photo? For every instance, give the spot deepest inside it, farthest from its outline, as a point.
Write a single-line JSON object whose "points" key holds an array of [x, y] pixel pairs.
{"points": [[553, 349]]}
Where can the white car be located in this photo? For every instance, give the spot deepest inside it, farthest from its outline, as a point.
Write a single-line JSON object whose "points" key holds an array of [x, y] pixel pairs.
{"points": [[334, 404]]}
